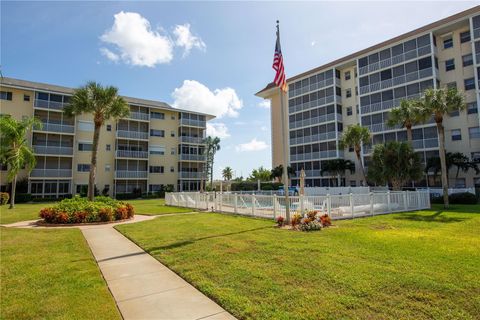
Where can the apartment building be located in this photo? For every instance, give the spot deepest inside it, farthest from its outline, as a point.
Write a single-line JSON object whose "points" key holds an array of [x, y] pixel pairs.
{"points": [[156, 146], [362, 87]]}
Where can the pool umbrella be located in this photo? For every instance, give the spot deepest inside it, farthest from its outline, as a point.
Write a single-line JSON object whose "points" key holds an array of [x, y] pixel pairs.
{"points": [[302, 182]]}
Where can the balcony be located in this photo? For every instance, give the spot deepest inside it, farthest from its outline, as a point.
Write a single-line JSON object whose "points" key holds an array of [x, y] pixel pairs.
{"points": [[388, 83], [476, 33], [56, 127], [378, 127], [132, 134], [51, 173], [196, 140], [191, 175], [46, 104], [314, 155], [311, 104], [313, 87], [132, 154], [192, 157], [314, 138], [53, 150], [193, 123], [315, 121], [425, 143], [139, 116], [124, 174], [379, 106]]}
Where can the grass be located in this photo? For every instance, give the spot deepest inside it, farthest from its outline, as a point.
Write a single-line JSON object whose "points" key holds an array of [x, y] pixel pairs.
{"points": [[29, 211], [51, 274], [418, 265]]}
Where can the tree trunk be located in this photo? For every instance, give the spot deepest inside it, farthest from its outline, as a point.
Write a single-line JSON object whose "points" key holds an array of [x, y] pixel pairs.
{"points": [[357, 153], [93, 162], [409, 135], [443, 163], [211, 174], [12, 196]]}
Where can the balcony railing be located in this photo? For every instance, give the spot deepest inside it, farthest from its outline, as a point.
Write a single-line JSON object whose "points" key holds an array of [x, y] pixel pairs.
{"points": [[53, 150], [312, 87], [425, 143], [193, 123], [314, 155], [45, 104], [55, 127], [192, 157], [139, 116], [312, 104], [132, 134], [314, 138], [412, 76], [196, 140], [395, 59], [124, 174], [132, 154], [314, 121], [377, 127], [191, 175], [477, 58], [476, 33], [379, 106], [51, 173]]}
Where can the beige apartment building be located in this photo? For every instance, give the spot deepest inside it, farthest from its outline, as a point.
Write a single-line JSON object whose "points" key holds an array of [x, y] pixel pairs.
{"points": [[362, 87], [156, 146]]}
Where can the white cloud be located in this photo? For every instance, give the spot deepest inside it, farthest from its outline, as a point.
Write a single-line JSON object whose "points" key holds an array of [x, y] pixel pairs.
{"points": [[253, 145], [136, 42], [109, 54], [313, 43], [217, 130], [195, 96], [264, 104], [185, 39]]}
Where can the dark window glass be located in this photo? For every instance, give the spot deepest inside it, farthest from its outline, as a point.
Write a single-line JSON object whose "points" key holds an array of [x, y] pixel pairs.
{"points": [[109, 127], [410, 45], [386, 74], [469, 83], [374, 78], [423, 40], [375, 98], [349, 111], [338, 91], [397, 50], [413, 89], [385, 54], [56, 97], [337, 73], [365, 100], [467, 60], [450, 64], [447, 43], [5, 95], [26, 97], [42, 95], [362, 62], [424, 85], [411, 67], [472, 108], [347, 75], [425, 63], [465, 36], [364, 81], [398, 71], [387, 95], [476, 22], [373, 58]]}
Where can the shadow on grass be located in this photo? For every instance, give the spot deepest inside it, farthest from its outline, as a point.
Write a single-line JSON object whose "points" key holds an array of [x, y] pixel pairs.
{"points": [[187, 242], [435, 217]]}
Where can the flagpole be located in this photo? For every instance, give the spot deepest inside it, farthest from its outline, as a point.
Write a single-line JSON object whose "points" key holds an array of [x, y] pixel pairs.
{"points": [[285, 146]]}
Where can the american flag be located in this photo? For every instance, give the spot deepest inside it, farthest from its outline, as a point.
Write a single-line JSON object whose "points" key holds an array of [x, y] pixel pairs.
{"points": [[280, 78]]}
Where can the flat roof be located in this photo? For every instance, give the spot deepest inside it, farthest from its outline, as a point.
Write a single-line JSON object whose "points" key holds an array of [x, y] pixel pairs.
{"points": [[428, 27], [39, 86]]}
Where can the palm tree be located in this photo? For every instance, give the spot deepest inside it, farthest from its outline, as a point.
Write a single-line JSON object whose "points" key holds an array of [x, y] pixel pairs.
{"points": [[213, 145], [337, 167], [227, 173], [261, 174], [407, 114], [277, 172], [440, 102], [353, 137], [104, 104], [395, 163], [463, 163], [15, 149]]}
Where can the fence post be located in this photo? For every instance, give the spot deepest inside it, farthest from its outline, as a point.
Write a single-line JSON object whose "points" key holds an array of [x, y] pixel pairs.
{"points": [[220, 200], [388, 201], [371, 203], [329, 205], [274, 206], [418, 200], [405, 200], [196, 201], [235, 204], [351, 204], [253, 204], [408, 200]]}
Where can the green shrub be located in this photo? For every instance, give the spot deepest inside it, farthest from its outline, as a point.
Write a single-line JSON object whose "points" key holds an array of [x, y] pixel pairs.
{"points": [[23, 197], [4, 197], [463, 198], [127, 196]]}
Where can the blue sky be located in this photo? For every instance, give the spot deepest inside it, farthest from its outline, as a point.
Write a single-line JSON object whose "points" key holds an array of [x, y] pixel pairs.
{"points": [[208, 56]]}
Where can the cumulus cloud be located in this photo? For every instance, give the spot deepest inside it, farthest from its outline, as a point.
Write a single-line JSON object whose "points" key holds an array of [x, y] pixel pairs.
{"points": [[264, 104], [195, 96], [217, 130], [254, 145], [136, 42], [186, 40]]}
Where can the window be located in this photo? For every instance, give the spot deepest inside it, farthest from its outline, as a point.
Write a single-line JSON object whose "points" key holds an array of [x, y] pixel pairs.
{"points": [[353, 183], [455, 113], [460, 183], [476, 156], [347, 75], [172, 117], [472, 108], [157, 115], [155, 187], [85, 126], [83, 167], [156, 169], [109, 127], [172, 169], [350, 149], [157, 133], [26, 97], [36, 187], [451, 85], [82, 188], [456, 134], [447, 43], [158, 150], [348, 93], [4, 95], [467, 60], [469, 83], [172, 133], [108, 147], [85, 146], [349, 111], [474, 132], [172, 151], [107, 168], [450, 64], [465, 36]]}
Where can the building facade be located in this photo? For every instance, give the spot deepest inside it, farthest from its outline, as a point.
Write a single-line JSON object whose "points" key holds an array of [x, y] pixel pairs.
{"points": [[361, 88], [156, 146]]}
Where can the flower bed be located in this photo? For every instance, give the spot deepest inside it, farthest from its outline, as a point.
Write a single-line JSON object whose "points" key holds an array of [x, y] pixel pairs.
{"points": [[310, 221], [81, 210]]}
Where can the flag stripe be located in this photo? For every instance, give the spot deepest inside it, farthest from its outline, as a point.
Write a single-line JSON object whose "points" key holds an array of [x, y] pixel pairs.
{"points": [[280, 79]]}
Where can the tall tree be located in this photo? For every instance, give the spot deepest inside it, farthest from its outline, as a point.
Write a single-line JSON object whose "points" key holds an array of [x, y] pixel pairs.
{"points": [[463, 163], [407, 114], [213, 145], [337, 167], [438, 102], [15, 150], [104, 104], [277, 172], [395, 163], [353, 137], [261, 174], [227, 173]]}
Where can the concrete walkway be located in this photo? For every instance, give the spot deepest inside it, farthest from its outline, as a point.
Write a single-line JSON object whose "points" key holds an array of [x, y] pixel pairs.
{"points": [[142, 287]]}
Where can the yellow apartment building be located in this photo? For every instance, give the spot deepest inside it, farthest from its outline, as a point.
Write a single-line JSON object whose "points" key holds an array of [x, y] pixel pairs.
{"points": [[155, 147], [362, 87]]}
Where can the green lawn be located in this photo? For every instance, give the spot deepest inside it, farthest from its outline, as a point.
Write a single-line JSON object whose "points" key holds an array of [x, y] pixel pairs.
{"points": [[51, 274], [419, 265], [155, 207]]}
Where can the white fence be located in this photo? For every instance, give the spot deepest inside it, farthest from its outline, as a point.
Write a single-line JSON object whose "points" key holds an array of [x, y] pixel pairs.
{"points": [[438, 192], [346, 206]]}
